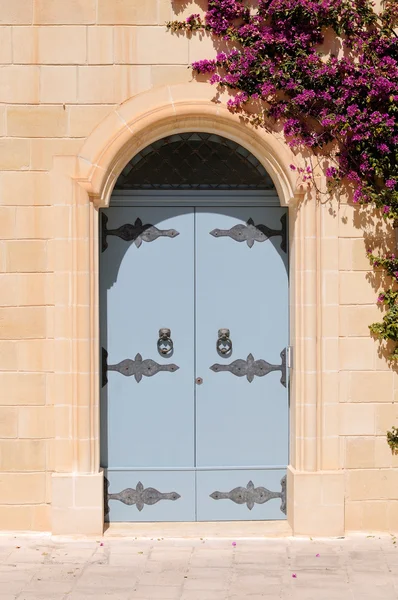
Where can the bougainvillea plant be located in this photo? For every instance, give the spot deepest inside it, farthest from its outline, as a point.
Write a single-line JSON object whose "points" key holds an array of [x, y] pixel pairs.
{"points": [[392, 440], [327, 72]]}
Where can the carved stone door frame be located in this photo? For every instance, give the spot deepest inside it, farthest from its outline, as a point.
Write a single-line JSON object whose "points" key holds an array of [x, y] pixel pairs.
{"points": [[84, 183]]}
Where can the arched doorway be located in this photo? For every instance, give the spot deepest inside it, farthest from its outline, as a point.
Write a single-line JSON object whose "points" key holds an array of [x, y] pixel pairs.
{"points": [[194, 331]]}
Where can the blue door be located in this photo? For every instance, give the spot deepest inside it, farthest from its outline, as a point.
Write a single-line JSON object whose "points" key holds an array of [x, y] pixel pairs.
{"points": [[194, 330]]}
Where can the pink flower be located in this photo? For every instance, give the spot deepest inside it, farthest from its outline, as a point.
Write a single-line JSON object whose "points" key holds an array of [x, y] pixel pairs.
{"points": [[380, 298], [293, 168], [331, 172], [294, 576], [234, 543], [317, 555]]}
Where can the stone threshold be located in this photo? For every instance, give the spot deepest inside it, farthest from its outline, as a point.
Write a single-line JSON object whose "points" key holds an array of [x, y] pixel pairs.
{"points": [[228, 529]]}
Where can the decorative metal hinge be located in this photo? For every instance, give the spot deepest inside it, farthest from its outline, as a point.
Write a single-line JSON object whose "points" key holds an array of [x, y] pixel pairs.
{"points": [[251, 368], [137, 367], [136, 233], [138, 496], [251, 495], [251, 233]]}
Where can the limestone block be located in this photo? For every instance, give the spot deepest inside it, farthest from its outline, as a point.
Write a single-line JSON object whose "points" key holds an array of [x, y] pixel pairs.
{"points": [[111, 84], [371, 516], [36, 121], [84, 119], [15, 518], [330, 321], [170, 11], [35, 356], [7, 219], [23, 322], [330, 287], [45, 150], [357, 354], [19, 84], [331, 453], [36, 422], [8, 419], [26, 256], [386, 416], [14, 155], [77, 504], [58, 84], [43, 222], [8, 356], [384, 458], [166, 74], [63, 420], [60, 456], [350, 222], [41, 517], [356, 288], [60, 390], [360, 453], [331, 419], [2, 120], [127, 12], [22, 455], [56, 12], [372, 484], [60, 255], [23, 389], [316, 504], [357, 419], [150, 46], [371, 386], [57, 45], [16, 12], [8, 291], [24, 188], [22, 488], [355, 320], [352, 254], [330, 354], [5, 45], [204, 45], [100, 45]]}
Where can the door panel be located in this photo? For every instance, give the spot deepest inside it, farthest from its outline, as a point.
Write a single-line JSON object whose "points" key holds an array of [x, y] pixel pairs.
{"points": [[239, 495], [242, 421], [162, 496], [148, 284], [173, 450]]}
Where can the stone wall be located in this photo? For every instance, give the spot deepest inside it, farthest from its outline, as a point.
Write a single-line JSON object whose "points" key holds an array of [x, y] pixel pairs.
{"points": [[65, 66]]}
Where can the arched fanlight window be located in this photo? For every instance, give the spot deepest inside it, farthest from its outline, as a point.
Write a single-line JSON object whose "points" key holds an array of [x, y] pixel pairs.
{"points": [[196, 161]]}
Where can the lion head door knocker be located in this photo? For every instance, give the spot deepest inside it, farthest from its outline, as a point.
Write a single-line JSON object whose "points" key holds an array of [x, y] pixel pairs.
{"points": [[224, 343], [165, 343]]}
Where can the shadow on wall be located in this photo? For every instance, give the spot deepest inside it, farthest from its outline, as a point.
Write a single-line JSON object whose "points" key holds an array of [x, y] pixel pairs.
{"points": [[379, 237]]}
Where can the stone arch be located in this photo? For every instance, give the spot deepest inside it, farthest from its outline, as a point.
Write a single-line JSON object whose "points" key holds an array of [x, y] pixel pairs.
{"points": [[144, 119]]}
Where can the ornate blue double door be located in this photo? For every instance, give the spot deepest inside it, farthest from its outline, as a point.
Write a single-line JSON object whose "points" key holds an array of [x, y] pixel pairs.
{"points": [[194, 335]]}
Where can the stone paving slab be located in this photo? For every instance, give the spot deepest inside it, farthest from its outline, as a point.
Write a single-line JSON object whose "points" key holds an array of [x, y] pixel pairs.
{"points": [[357, 567]]}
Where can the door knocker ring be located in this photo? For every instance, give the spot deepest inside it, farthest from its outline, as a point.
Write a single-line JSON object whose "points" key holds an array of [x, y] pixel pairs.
{"points": [[165, 343], [224, 343]]}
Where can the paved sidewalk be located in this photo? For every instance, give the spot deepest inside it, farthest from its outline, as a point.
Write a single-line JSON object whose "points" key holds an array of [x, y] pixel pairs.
{"points": [[353, 568]]}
